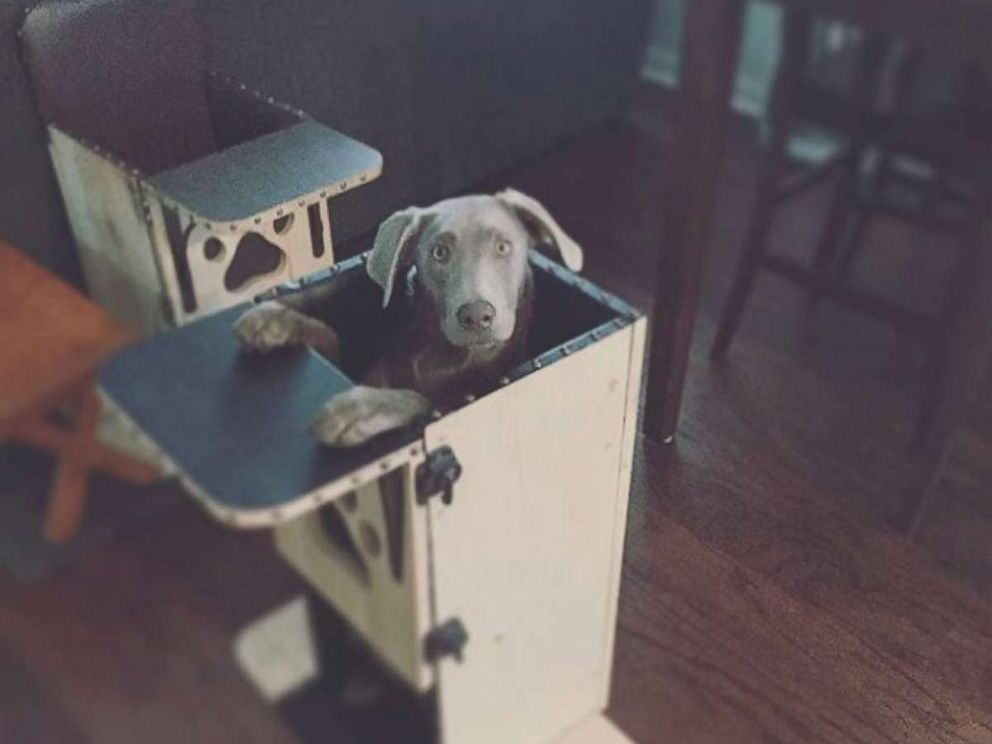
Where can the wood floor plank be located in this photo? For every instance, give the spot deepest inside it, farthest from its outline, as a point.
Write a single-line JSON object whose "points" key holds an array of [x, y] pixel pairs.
{"points": [[124, 647], [725, 655], [28, 715], [781, 524]]}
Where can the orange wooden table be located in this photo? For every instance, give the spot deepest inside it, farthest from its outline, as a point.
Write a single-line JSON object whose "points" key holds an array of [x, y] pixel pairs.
{"points": [[51, 341]]}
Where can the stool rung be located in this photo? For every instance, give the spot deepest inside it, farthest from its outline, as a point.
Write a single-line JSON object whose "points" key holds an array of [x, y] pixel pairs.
{"points": [[851, 297], [808, 177]]}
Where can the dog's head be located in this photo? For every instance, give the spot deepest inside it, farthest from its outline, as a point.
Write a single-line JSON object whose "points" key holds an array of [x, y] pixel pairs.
{"points": [[470, 255]]}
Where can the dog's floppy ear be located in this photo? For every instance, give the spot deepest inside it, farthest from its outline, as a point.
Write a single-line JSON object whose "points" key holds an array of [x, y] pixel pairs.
{"points": [[392, 252], [542, 226]]}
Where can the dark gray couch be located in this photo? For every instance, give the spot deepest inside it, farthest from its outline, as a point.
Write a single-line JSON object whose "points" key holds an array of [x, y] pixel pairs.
{"points": [[451, 91]]}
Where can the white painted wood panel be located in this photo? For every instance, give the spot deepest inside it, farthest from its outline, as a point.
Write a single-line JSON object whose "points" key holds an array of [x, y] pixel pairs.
{"points": [[392, 615], [104, 205], [526, 556], [628, 445]]}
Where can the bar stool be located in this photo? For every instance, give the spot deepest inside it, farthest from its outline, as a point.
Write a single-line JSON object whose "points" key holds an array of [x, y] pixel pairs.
{"points": [[53, 340], [887, 119]]}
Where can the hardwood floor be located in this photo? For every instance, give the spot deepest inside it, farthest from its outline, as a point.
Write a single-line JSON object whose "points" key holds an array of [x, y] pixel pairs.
{"points": [[764, 597]]}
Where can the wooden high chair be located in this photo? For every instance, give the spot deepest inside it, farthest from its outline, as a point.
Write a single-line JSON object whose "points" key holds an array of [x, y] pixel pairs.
{"points": [[187, 192], [53, 339]]}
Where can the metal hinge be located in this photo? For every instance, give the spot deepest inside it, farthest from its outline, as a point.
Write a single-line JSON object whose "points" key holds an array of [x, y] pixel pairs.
{"points": [[447, 639], [437, 474]]}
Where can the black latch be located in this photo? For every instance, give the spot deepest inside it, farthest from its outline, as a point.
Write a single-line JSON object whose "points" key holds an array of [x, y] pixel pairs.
{"points": [[447, 639], [437, 474]]}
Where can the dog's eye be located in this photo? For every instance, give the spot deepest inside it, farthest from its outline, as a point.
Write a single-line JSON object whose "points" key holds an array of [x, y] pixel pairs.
{"points": [[503, 248], [440, 252]]}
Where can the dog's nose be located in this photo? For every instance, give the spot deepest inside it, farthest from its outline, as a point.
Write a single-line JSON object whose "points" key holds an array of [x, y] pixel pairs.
{"points": [[476, 316]]}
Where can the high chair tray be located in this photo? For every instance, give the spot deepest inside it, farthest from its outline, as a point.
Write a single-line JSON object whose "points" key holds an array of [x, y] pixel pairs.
{"points": [[234, 424]]}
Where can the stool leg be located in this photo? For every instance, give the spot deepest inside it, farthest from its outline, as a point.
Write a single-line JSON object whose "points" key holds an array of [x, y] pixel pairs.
{"points": [[754, 249], [790, 71], [853, 244], [842, 205], [68, 492], [862, 218], [870, 65], [960, 354], [918, 500]]}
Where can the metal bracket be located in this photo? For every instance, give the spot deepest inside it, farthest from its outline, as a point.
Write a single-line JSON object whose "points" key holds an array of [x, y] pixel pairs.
{"points": [[437, 474], [447, 639]]}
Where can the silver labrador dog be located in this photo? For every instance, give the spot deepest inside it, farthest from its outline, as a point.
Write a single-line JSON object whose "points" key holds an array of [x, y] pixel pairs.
{"points": [[464, 263]]}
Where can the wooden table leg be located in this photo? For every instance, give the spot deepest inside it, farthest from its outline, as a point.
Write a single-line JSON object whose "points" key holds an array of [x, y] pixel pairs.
{"points": [[960, 364], [710, 45]]}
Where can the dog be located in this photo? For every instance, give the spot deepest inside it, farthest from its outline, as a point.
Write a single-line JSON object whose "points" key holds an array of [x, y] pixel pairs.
{"points": [[464, 264]]}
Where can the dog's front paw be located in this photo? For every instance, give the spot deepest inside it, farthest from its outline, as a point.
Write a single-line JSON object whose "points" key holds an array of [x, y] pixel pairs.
{"points": [[354, 417], [270, 325]]}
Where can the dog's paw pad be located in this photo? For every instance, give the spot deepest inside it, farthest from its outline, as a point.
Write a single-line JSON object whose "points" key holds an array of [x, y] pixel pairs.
{"points": [[331, 424], [269, 326], [355, 417]]}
